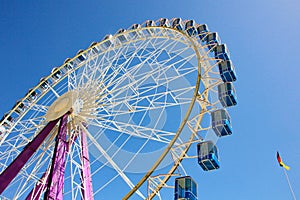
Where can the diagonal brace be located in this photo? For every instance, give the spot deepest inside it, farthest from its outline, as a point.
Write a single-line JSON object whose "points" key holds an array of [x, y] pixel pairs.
{"points": [[14, 168]]}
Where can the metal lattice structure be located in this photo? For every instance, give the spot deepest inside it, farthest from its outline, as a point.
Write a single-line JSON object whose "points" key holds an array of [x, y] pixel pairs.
{"points": [[122, 113]]}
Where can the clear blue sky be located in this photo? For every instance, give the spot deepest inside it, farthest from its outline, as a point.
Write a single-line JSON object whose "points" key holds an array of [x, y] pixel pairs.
{"points": [[262, 36]]}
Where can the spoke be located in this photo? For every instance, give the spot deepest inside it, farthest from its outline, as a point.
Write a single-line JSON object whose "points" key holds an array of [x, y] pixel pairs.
{"points": [[28, 125], [139, 131], [41, 161], [110, 160], [37, 107], [157, 96], [72, 80], [128, 73], [139, 95], [9, 174]]}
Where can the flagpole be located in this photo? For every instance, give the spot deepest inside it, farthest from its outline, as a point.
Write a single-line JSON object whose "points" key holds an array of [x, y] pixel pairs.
{"points": [[288, 180]]}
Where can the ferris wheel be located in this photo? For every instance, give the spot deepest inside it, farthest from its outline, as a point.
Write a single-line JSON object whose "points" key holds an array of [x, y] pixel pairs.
{"points": [[117, 120]]}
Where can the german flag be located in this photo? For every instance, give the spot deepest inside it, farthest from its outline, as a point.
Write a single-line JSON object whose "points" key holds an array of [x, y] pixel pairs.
{"points": [[281, 164]]}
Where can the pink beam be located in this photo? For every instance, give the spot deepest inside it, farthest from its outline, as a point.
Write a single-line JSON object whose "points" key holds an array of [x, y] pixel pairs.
{"points": [[87, 188], [57, 171], [39, 188], [14, 168]]}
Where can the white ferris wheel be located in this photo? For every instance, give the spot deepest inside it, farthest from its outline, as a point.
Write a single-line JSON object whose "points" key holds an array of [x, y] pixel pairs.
{"points": [[120, 116]]}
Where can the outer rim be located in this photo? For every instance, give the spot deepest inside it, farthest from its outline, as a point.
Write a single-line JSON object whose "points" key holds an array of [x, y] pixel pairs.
{"points": [[179, 130]]}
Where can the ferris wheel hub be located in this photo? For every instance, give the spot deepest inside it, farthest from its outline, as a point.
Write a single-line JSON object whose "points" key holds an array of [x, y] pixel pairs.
{"points": [[78, 105], [61, 105]]}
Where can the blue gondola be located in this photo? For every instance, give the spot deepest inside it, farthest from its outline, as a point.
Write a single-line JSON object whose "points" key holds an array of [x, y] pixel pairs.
{"points": [[150, 23], [221, 123], [227, 71], [68, 64], [135, 27], [221, 52], [8, 121], [212, 39], [56, 74], [44, 84], [177, 23], [190, 27], [20, 108], [164, 22], [185, 188], [121, 36], [2, 128], [32, 95], [107, 41], [208, 157], [82, 56], [202, 30], [95, 48], [227, 95]]}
